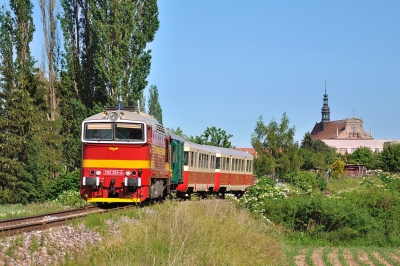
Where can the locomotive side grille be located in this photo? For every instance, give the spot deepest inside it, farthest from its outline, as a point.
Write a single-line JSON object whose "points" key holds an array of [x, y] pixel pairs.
{"points": [[160, 128]]}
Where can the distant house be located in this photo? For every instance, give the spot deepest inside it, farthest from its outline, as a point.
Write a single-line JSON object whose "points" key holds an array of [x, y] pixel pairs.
{"points": [[355, 170], [345, 135]]}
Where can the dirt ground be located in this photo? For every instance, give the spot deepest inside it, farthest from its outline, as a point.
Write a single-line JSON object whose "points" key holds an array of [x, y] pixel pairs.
{"points": [[353, 257]]}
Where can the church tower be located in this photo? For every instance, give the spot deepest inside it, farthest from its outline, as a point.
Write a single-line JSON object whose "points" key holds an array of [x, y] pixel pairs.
{"points": [[325, 111]]}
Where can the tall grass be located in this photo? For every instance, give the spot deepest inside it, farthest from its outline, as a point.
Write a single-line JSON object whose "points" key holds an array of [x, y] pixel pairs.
{"points": [[8, 211], [207, 232]]}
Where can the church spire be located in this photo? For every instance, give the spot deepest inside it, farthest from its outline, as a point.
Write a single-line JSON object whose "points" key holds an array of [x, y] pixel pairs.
{"points": [[325, 111]]}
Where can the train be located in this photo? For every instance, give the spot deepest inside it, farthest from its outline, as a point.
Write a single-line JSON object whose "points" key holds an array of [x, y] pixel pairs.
{"points": [[129, 157]]}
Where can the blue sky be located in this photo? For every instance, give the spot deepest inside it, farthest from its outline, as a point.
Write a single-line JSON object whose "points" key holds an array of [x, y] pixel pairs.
{"points": [[224, 63]]}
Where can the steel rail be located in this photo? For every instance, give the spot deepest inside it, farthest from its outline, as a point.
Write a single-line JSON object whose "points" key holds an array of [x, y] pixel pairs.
{"points": [[14, 226]]}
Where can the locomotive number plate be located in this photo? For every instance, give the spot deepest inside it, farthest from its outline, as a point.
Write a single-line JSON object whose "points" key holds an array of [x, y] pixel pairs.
{"points": [[113, 172]]}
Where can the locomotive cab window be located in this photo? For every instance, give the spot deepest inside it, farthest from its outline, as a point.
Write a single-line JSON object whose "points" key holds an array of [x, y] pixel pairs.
{"points": [[129, 131], [114, 131], [98, 131]]}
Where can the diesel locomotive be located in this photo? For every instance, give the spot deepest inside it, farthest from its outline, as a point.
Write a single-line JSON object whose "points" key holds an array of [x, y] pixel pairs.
{"points": [[127, 156]]}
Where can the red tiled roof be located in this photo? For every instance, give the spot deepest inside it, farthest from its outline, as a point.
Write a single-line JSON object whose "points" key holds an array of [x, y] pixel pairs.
{"points": [[252, 151], [331, 130]]}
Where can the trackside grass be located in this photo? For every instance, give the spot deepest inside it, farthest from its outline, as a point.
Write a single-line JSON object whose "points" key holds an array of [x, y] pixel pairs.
{"points": [[207, 232]]}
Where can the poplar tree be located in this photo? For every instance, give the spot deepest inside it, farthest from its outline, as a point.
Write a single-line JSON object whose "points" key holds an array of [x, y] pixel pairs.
{"points": [[105, 43], [154, 104], [22, 104]]}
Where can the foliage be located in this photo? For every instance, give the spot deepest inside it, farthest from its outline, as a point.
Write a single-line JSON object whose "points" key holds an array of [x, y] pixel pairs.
{"points": [[70, 198], [391, 181], [369, 215], [390, 157], [363, 155], [316, 154], [154, 104], [29, 142], [105, 48], [276, 139], [308, 181], [204, 232], [66, 182], [213, 137], [178, 131], [337, 168]]}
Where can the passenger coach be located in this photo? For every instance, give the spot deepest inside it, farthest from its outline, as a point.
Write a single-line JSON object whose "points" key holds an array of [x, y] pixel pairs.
{"points": [[209, 169]]}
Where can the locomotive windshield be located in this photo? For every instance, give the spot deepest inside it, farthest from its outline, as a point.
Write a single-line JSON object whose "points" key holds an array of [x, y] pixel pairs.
{"points": [[132, 132]]}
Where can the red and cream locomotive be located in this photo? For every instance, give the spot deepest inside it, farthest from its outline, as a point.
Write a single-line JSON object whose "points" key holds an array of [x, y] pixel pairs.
{"points": [[127, 156]]}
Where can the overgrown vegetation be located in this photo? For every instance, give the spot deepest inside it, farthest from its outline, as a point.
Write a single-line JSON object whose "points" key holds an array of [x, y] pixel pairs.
{"points": [[207, 232], [104, 59], [365, 214]]}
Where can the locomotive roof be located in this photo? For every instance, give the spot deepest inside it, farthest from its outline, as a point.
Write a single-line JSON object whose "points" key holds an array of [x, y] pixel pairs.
{"points": [[128, 116]]}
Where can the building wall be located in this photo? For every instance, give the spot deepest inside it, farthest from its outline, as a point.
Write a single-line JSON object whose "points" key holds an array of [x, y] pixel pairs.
{"points": [[349, 146]]}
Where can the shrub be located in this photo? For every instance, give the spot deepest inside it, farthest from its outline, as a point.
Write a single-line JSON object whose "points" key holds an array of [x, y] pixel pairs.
{"points": [[70, 198], [368, 215], [306, 180]]}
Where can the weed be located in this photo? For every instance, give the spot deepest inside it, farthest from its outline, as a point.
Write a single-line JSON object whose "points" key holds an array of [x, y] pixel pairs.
{"points": [[11, 251], [325, 256], [341, 256], [19, 240], [34, 246], [42, 238], [309, 256]]}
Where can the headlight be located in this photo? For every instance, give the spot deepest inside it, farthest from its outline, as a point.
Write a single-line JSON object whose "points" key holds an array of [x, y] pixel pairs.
{"points": [[98, 172], [113, 116], [92, 172], [128, 173]]}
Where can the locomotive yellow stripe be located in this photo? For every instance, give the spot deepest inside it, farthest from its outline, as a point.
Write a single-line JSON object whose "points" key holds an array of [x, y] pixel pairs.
{"points": [[111, 200], [116, 163]]}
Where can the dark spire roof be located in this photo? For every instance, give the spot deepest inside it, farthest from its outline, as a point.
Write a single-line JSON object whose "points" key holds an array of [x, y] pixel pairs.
{"points": [[325, 111]]}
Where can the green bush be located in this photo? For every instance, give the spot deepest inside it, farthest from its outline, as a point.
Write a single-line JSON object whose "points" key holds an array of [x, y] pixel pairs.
{"points": [[368, 215], [391, 181], [308, 181], [66, 182], [70, 198]]}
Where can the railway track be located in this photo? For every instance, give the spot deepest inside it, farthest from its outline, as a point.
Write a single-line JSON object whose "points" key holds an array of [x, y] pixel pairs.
{"points": [[14, 226]]}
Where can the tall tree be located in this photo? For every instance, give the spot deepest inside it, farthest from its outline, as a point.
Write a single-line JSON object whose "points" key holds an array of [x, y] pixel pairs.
{"points": [[142, 103], [22, 103], [49, 21], [214, 137], [154, 104], [390, 157], [105, 43], [276, 139]]}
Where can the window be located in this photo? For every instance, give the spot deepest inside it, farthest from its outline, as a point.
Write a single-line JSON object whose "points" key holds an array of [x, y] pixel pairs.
{"points": [[376, 149], [353, 150], [218, 163], [342, 150], [129, 132], [185, 158], [98, 131]]}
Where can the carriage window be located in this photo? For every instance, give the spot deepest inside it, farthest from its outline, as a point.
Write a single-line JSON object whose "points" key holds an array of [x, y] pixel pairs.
{"points": [[185, 158], [228, 167], [191, 159]]}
